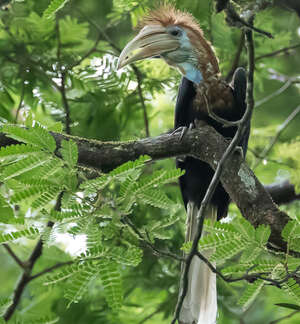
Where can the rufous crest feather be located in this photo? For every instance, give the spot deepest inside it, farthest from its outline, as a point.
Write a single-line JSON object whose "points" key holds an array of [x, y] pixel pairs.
{"points": [[167, 15]]}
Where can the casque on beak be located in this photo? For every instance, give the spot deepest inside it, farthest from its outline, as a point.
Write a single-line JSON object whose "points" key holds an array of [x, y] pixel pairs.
{"points": [[150, 41]]}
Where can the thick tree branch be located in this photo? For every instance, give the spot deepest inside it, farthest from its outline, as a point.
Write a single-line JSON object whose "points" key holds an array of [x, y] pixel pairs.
{"points": [[203, 143]]}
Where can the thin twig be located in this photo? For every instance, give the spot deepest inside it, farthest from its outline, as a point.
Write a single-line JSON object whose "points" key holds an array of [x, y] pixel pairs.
{"points": [[54, 267], [63, 73], [147, 318], [65, 102], [142, 99], [249, 277], [155, 251], [237, 20], [274, 53], [14, 256], [58, 50], [100, 30], [236, 60], [284, 317], [281, 128], [275, 93], [25, 278], [21, 101], [213, 115], [87, 54]]}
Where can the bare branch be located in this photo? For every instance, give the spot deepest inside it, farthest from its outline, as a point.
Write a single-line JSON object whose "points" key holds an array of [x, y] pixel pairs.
{"points": [[281, 128], [142, 99], [87, 54], [236, 60], [14, 256], [50, 269], [234, 19], [26, 276], [21, 100], [284, 317], [148, 244], [276, 93], [65, 102], [285, 50], [147, 318]]}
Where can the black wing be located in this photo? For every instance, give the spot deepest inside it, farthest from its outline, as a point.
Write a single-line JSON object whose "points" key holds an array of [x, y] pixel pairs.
{"points": [[198, 174]]}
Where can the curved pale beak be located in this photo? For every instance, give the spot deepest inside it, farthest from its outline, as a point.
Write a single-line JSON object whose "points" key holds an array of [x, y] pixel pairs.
{"points": [[150, 41]]}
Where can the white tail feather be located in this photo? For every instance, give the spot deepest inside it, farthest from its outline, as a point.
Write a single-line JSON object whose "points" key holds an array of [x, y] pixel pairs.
{"points": [[200, 303]]}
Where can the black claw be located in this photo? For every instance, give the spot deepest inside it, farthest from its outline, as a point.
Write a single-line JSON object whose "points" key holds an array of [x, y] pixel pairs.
{"points": [[240, 151], [183, 130]]}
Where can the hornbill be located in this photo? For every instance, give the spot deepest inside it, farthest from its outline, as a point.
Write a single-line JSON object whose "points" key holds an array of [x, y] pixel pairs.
{"points": [[177, 38]]}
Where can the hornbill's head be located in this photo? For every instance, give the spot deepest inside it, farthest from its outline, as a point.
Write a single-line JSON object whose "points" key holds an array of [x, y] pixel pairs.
{"points": [[176, 37]]}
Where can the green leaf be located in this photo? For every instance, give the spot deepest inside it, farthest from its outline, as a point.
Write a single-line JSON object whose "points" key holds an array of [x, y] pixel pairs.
{"points": [[4, 304], [64, 273], [291, 230], [262, 234], [156, 179], [30, 232], [290, 306], [251, 253], [260, 266], [36, 136], [54, 7], [81, 281], [44, 320], [17, 151], [112, 283], [46, 197], [250, 293], [123, 172], [6, 212], [69, 152], [131, 256], [245, 228], [29, 193], [293, 289], [24, 165], [156, 198]]}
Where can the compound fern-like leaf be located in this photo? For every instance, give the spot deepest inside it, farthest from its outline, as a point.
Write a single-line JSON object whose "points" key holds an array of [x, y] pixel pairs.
{"points": [[112, 283]]}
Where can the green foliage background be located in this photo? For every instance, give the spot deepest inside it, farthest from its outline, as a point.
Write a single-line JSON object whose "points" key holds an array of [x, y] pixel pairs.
{"points": [[61, 56]]}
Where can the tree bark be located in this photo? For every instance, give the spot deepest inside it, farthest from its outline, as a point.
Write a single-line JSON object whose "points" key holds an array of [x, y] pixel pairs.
{"points": [[204, 143]]}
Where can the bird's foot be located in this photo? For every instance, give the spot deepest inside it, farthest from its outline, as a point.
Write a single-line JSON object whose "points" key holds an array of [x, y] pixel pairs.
{"points": [[183, 130]]}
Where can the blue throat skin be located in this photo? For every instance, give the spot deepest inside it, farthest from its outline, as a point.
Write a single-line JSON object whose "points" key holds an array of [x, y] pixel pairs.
{"points": [[191, 72], [194, 75]]}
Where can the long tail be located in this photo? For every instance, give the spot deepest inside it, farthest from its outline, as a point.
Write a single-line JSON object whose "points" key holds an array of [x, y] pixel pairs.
{"points": [[200, 303]]}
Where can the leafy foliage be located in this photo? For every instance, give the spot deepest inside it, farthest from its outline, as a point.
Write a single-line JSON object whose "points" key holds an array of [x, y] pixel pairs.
{"points": [[53, 7], [58, 58]]}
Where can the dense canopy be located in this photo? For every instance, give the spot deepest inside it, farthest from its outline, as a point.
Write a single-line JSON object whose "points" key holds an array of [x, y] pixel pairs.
{"points": [[91, 217]]}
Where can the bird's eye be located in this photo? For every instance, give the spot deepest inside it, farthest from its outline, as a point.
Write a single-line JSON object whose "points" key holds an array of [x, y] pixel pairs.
{"points": [[175, 32]]}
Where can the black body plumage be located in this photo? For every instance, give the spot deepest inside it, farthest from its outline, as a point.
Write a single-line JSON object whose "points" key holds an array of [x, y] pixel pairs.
{"points": [[198, 174]]}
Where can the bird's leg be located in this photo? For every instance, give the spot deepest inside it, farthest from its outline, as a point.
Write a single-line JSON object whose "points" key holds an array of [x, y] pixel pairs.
{"points": [[183, 130]]}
